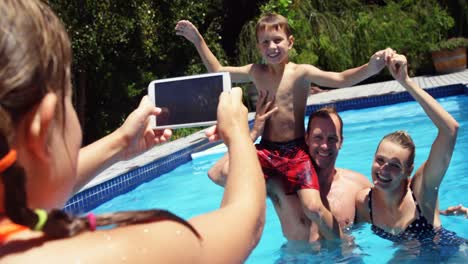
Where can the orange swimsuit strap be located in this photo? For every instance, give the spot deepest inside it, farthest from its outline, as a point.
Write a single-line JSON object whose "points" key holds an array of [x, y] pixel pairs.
{"points": [[7, 160], [9, 229]]}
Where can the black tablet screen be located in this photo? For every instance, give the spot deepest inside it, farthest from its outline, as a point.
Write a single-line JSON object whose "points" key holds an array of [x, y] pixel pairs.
{"points": [[188, 101]]}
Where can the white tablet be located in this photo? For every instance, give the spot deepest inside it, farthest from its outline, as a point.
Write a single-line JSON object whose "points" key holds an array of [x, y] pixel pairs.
{"points": [[188, 101]]}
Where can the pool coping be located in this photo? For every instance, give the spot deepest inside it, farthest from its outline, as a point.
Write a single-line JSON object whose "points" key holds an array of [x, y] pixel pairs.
{"points": [[127, 175]]}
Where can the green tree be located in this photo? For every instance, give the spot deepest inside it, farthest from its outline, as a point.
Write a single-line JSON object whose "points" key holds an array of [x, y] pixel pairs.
{"points": [[337, 35], [119, 46]]}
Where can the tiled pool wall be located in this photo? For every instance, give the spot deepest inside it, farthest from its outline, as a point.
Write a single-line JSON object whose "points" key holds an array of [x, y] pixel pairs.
{"points": [[91, 198], [392, 98]]}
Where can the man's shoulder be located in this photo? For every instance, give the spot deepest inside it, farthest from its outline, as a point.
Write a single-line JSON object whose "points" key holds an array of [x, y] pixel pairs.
{"points": [[355, 177]]}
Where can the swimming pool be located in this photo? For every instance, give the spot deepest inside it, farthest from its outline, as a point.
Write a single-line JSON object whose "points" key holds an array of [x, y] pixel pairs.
{"points": [[187, 191]]}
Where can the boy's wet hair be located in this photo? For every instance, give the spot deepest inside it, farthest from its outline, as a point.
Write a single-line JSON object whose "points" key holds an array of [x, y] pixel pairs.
{"points": [[325, 112], [35, 59], [273, 21]]}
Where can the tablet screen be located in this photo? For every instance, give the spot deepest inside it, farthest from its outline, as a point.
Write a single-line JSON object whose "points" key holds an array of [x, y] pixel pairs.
{"points": [[187, 101]]}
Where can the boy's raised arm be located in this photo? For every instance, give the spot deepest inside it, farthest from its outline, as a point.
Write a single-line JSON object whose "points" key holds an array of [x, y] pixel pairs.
{"points": [[238, 74], [348, 77]]}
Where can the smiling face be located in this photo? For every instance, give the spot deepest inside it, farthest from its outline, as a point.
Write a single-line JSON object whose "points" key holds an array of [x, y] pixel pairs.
{"points": [[390, 166], [274, 44], [324, 140]]}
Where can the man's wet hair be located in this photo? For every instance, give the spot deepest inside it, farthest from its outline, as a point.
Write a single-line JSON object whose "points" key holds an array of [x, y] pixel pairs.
{"points": [[325, 112]]}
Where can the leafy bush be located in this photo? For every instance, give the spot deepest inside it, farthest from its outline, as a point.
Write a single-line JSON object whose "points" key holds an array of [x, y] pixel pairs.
{"points": [[338, 35], [450, 44], [119, 46]]}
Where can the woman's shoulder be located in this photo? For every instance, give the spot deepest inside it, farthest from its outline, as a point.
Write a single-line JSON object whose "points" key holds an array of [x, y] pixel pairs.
{"points": [[362, 206]]}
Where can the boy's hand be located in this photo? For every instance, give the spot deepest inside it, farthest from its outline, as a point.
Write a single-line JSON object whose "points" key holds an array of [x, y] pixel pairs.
{"points": [[188, 30], [398, 67], [137, 133], [264, 110], [381, 58], [232, 117]]}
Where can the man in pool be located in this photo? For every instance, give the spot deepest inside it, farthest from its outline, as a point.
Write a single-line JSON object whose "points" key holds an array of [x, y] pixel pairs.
{"points": [[338, 187]]}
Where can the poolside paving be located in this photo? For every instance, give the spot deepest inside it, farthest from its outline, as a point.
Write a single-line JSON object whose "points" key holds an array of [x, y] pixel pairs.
{"points": [[358, 91]]}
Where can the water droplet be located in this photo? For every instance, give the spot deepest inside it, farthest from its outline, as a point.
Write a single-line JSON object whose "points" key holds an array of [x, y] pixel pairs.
{"points": [[146, 230]]}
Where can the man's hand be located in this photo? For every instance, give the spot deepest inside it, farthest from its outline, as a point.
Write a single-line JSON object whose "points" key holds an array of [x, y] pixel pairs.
{"points": [[265, 108], [455, 210]]}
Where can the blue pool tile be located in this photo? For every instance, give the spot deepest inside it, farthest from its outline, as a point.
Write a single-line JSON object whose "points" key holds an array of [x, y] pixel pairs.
{"points": [[96, 195]]}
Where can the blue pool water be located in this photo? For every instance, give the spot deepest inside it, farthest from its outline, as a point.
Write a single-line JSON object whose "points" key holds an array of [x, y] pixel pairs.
{"points": [[187, 191]]}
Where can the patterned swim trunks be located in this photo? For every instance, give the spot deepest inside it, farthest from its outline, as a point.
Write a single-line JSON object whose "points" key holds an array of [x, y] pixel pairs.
{"points": [[290, 161]]}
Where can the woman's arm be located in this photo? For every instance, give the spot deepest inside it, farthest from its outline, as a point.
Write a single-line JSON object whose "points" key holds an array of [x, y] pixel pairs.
{"points": [[429, 176], [362, 207]]}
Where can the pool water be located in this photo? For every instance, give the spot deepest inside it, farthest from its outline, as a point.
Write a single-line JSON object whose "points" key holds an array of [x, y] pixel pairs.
{"points": [[187, 191]]}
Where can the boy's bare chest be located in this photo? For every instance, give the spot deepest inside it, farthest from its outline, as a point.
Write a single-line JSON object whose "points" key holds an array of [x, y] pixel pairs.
{"points": [[285, 90], [278, 85]]}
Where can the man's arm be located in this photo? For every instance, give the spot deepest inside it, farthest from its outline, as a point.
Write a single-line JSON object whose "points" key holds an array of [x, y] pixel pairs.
{"points": [[190, 32], [348, 77]]}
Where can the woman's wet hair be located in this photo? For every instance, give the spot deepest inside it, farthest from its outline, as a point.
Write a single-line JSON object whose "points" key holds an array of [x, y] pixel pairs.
{"points": [[403, 139], [273, 21], [35, 59]]}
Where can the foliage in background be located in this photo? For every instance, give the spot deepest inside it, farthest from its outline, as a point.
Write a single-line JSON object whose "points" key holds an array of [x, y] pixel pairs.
{"points": [[450, 44], [338, 35], [119, 46]]}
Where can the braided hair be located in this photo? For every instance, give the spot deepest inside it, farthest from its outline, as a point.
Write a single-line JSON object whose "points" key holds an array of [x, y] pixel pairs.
{"points": [[35, 58]]}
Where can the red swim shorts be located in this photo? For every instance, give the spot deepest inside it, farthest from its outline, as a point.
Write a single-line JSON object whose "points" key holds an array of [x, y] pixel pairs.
{"points": [[290, 161]]}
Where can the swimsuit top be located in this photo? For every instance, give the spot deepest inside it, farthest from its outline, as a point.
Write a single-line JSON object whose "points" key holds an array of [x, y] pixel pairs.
{"points": [[419, 229]]}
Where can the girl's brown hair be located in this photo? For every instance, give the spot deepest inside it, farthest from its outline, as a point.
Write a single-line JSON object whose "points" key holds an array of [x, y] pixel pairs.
{"points": [[35, 58]]}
